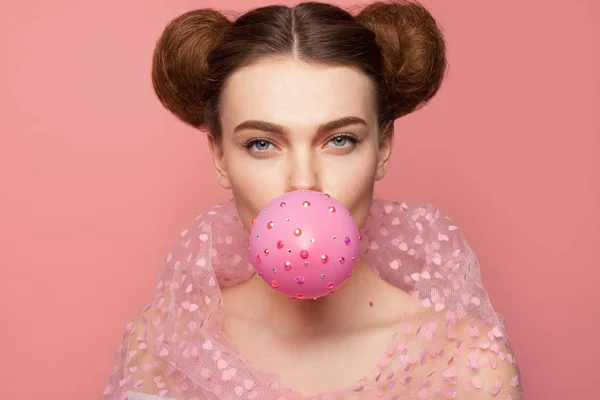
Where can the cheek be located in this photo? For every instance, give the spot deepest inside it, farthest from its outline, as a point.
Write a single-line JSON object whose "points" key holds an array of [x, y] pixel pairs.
{"points": [[362, 205], [353, 186], [252, 188]]}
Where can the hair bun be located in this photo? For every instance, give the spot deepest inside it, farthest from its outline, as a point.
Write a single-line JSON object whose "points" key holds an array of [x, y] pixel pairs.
{"points": [[413, 51], [179, 69]]}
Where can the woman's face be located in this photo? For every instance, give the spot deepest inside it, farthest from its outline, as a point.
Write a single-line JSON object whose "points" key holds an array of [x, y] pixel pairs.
{"points": [[288, 125]]}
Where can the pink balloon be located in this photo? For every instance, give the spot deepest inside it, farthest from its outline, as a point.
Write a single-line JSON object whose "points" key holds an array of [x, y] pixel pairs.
{"points": [[304, 244]]}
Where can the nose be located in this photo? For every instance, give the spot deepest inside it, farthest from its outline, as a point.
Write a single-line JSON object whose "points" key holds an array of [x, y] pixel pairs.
{"points": [[302, 173]]}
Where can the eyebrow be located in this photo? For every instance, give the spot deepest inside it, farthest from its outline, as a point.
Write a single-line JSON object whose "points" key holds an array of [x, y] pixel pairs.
{"points": [[280, 130]]}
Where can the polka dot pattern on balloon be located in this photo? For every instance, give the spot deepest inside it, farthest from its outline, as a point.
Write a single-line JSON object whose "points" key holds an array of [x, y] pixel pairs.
{"points": [[311, 242]]}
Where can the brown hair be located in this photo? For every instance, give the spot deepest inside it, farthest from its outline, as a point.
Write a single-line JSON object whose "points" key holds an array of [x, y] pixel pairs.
{"points": [[397, 44]]}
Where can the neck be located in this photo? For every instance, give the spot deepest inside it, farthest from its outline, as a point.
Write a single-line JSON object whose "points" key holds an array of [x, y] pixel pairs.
{"points": [[328, 314]]}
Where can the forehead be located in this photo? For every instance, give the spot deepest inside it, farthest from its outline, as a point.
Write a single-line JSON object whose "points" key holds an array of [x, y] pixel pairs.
{"points": [[296, 94]]}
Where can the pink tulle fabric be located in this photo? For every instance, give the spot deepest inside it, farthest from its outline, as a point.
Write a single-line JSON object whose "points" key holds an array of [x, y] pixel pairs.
{"points": [[452, 346]]}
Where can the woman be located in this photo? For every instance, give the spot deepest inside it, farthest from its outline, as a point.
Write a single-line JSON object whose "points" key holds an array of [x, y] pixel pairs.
{"points": [[305, 98]]}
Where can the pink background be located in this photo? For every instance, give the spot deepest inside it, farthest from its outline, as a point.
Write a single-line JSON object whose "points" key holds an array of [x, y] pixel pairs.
{"points": [[97, 180]]}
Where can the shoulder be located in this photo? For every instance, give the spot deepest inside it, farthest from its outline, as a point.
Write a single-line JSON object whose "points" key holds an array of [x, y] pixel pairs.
{"points": [[486, 367], [417, 224], [137, 368]]}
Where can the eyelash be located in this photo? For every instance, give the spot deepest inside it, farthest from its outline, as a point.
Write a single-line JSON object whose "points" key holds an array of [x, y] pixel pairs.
{"points": [[247, 144]]}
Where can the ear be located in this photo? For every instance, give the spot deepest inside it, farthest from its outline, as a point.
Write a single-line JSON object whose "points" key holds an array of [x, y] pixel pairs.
{"points": [[216, 150], [386, 143]]}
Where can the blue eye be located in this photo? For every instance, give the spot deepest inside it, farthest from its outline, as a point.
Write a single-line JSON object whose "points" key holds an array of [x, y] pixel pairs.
{"points": [[261, 145], [342, 140], [257, 145]]}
